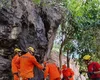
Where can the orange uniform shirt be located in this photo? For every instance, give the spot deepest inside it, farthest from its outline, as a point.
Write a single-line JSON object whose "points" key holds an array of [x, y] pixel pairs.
{"points": [[68, 72], [15, 66], [52, 71], [27, 62]]}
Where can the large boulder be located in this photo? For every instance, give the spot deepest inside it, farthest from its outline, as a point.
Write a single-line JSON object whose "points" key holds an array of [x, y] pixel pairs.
{"points": [[23, 24]]}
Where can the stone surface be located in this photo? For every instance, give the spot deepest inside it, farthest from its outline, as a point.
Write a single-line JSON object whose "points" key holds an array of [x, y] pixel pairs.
{"points": [[4, 69], [23, 24]]}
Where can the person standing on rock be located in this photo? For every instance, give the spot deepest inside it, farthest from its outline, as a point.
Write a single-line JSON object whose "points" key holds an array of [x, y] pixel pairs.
{"points": [[27, 63], [93, 68], [15, 65]]}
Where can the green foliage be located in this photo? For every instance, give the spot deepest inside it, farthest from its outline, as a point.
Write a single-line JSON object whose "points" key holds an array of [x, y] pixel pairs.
{"points": [[83, 20], [5, 3], [69, 46], [36, 1], [86, 41], [86, 14], [86, 18]]}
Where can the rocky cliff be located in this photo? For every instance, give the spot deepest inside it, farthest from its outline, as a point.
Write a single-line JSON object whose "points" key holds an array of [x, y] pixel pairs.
{"points": [[24, 24]]}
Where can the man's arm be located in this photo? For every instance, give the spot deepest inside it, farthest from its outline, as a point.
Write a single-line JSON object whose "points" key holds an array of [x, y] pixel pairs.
{"points": [[14, 68], [33, 59], [46, 72]]}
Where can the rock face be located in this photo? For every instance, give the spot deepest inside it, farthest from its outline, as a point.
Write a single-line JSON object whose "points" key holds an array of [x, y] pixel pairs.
{"points": [[23, 24], [4, 69]]}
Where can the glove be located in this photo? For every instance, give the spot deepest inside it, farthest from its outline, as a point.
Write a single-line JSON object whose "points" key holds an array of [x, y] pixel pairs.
{"points": [[69, 77], [44, 69], [90, 73], [63, 78]]}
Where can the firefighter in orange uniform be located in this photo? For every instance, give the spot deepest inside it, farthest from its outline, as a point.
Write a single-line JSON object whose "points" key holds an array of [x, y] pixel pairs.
{"points": [[15, 64], [67, 73], [52, 71], [27, 63]]}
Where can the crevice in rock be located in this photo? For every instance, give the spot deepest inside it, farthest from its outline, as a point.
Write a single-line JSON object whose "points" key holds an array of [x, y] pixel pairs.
{"points": [[45, 21]]}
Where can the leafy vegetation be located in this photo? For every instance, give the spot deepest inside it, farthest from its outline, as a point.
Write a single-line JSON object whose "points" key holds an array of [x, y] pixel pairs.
{"points": [[5, 3], [36, 1], [82, 24]]}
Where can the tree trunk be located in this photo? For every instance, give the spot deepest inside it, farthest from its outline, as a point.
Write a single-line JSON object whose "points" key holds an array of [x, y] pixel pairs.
{"points": [[68, 59], [60, 57], [60, 53]]}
